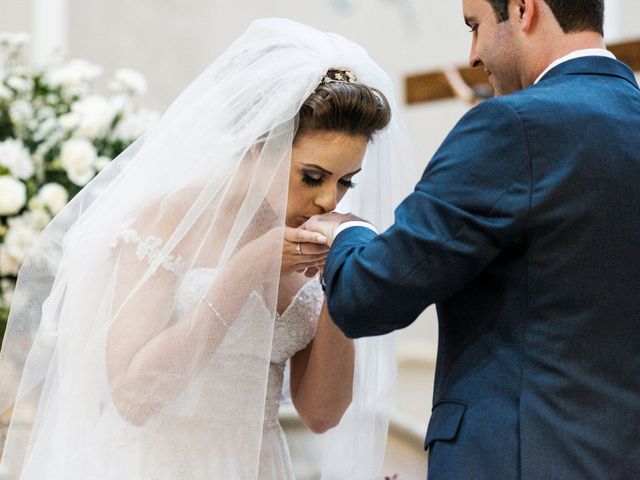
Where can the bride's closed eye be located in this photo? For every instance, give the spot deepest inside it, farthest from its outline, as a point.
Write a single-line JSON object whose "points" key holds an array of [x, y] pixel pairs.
{"points": [[313, 181]]}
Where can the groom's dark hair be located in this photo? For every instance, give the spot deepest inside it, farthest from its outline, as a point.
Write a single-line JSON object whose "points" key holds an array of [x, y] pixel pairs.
{"points": [[572, 15]]}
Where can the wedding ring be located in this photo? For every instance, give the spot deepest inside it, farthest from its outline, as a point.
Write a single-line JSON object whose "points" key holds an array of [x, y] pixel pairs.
{"points": [[298, 249]]}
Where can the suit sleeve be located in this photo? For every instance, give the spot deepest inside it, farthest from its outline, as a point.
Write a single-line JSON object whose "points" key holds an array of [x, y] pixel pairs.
{"points": [[470, 205]]}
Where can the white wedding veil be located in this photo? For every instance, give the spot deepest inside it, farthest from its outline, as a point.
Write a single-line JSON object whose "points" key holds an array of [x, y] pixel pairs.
{"points": [[102, 357]]}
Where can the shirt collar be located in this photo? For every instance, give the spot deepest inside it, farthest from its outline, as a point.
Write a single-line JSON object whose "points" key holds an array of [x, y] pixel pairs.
{"points": [[587, 52]]}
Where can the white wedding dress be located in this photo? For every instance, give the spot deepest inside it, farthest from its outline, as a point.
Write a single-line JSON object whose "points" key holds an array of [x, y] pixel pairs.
{"points": [[196, 436], [218, 390]]}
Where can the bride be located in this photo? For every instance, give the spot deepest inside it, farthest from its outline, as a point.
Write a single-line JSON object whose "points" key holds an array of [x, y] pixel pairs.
{"points": [[151, 324]]}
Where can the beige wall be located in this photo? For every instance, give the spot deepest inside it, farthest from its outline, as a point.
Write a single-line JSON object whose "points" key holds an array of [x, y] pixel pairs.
{"points": [[14, 16]]}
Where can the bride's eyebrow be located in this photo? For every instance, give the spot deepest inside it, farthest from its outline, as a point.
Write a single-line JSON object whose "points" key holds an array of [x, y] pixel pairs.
{"points": [[318, 167]]}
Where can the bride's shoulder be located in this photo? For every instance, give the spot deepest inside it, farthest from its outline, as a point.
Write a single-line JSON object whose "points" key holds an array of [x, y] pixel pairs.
{"points": [[161, 215], [147, 228]]}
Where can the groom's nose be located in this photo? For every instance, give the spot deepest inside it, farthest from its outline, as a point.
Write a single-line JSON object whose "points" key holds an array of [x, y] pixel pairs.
{"points": [[474, 59]]}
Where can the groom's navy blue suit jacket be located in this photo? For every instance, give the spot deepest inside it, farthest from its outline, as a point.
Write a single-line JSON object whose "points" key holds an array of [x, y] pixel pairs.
{"points": [[525, 232]]}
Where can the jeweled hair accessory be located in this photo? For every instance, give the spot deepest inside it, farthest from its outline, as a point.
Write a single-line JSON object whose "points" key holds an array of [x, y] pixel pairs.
{"points": [[339, 75]]}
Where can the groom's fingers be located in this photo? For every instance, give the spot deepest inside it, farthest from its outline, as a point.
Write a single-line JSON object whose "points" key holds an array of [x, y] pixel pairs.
{"points": [[314, 224], [326, 223]]}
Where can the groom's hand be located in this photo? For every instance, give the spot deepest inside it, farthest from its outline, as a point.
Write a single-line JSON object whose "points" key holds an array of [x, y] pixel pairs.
{"points": [[328, 223]]}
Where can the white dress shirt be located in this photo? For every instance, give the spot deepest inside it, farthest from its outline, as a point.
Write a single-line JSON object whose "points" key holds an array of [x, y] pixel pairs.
{"points": [[354, 223]]}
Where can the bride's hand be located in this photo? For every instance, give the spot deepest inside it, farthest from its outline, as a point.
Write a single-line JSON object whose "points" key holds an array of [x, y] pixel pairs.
{"points": [[302, 251]]}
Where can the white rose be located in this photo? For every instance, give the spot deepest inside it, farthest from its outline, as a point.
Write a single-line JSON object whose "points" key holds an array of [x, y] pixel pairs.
{"points": [[101, 163], [135, 124], [21, 112], [21, 237], [13, 195], [35, 203], [16, 158], [54, 196], [73, 75], [77, 157], [39, 219], [7, 287], [45, 129], [5, 93], [129, 81], [8, 264], [69, 121], [46, 113], [95, 115], [19, 84]]}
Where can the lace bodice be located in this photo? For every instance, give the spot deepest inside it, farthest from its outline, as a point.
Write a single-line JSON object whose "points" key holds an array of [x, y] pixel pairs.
{"points": [[236, 356], [219, 407], [293, 330]]}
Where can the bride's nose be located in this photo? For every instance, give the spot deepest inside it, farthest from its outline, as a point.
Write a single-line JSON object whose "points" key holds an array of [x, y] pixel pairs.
{"points": [[327, 199]]}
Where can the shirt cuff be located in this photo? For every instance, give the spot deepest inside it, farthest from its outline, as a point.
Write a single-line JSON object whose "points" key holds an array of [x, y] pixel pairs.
{"points": [[345, 225]]}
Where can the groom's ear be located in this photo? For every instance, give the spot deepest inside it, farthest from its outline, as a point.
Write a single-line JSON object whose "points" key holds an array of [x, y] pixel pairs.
{"points": [[526, 13]]}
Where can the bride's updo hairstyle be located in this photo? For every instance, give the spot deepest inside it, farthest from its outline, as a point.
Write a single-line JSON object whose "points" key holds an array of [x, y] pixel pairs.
{"points": [[341, 104]]}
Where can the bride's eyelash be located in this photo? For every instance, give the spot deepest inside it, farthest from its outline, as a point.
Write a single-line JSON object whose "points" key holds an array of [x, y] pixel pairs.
{"points": [[316, 182], [312, 182]]}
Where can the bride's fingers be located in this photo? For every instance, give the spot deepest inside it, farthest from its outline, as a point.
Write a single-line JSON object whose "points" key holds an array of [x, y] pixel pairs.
{"points": [[304, 249], [297, 235], [312, 249], [304, 263], [315, 269], [311, 272], [310, 261]]}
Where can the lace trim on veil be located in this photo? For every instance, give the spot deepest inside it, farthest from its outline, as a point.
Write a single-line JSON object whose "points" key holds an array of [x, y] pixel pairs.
{"points": [[148, 249]]}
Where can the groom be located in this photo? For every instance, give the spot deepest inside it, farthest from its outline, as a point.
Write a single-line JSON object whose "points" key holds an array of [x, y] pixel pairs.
{"points": [[525, 232]]}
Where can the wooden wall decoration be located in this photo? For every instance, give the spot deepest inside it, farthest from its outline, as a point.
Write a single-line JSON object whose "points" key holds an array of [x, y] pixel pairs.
{"points": [[443, 84]]}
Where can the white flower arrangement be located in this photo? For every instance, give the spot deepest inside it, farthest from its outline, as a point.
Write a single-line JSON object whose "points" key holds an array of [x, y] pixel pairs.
{"points": [[56, 134]]}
